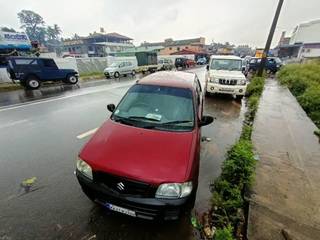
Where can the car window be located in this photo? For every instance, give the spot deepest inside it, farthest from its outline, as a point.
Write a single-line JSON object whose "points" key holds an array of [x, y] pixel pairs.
{"points": [[49, 63], [161, 107], [26, 61]]}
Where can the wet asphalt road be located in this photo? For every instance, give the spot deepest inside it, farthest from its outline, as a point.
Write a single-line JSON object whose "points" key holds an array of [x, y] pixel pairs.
{"points": [[38, 138]]}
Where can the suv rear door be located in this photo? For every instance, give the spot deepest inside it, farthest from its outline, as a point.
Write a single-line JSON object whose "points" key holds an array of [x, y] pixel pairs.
{"points": [[50, 71]]}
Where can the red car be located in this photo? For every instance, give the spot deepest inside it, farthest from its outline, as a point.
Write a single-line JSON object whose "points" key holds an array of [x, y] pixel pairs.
{"points": [[191, 63], [144, 160]]}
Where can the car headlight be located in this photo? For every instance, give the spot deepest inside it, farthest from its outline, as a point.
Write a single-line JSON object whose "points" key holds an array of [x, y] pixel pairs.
{"points": [[84, 168], [242, 82], [174, 190], [214, 80]]}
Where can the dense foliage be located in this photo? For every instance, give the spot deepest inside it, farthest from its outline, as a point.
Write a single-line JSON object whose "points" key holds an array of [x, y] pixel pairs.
{"points": [[303, 80]]}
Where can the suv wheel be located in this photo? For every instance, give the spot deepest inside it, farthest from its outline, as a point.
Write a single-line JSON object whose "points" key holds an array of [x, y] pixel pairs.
{"points": [[133, 73], [239, 97], [72, 79], [116, 75], [33, 83]]}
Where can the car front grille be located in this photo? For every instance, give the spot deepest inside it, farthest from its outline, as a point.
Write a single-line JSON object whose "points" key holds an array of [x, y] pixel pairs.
{"points": [[227, 82], [124, 186]]}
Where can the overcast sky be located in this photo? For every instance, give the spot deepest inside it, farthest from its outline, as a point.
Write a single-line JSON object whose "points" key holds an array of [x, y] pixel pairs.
{"points": [[236, 21]]}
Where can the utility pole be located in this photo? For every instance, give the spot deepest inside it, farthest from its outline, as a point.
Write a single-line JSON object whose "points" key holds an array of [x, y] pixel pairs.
{"points": [[270, 37]]}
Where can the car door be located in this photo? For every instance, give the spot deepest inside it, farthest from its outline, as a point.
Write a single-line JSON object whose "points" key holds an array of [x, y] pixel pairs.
{"points": [[50, 71], [122, 67]]}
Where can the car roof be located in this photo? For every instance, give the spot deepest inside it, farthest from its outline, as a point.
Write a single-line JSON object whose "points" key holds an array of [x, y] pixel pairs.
{"points": [[225, 57], [27, 57], [170, 79]]}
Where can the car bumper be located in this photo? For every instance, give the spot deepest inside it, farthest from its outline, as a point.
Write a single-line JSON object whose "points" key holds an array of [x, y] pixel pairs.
{"points": [[145, 208], [108, 74], [226, 89]]}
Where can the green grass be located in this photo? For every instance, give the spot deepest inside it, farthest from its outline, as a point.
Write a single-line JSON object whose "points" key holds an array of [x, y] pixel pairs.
{"points": [[7, 87], [92, 75], [238, 171], [303, 80]]}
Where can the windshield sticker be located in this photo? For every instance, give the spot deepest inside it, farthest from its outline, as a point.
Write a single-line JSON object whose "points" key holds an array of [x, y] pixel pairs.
{"points": [[154, 116]]}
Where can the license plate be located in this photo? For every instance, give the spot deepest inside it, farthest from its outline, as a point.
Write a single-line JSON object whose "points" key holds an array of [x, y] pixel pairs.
{"points": [[120, 209], [226, 90]]}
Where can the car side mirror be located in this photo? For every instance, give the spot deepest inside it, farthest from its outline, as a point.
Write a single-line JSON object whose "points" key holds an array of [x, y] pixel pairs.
{"points": [[111, 107], [207, 67], [206, 120]]}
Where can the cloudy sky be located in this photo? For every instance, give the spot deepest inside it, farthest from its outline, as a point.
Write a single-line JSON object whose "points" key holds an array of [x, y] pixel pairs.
{"points": [[236, 21]]}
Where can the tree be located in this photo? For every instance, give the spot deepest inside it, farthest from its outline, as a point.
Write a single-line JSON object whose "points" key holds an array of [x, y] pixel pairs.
{"points": [[33, 24], [6, 29], [53, 33]]}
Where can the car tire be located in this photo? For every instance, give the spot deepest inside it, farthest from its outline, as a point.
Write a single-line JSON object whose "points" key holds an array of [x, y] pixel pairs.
{"points": [[239, 97], [32, 83], [116, 75], [133, 73], [72, 79]]}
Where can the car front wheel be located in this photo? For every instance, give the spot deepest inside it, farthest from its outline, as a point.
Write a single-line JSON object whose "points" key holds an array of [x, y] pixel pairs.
{"points": [[116, 75], [32, 83], [72, 79]]}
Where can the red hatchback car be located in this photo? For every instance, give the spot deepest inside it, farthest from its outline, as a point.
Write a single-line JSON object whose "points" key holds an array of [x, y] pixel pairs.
{"points": [[144, 160]]}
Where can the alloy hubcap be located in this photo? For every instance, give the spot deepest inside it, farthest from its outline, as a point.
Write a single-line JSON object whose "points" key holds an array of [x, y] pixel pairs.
{"points": [[73, 79], [34, 83]]}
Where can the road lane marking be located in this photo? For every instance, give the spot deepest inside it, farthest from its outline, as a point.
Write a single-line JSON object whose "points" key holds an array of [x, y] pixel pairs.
{"points": [[36, 102], [86, 134], [13, 123]]}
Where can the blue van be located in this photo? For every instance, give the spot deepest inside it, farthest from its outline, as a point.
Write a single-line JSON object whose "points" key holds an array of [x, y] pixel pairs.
{"points": [[32, 71]]}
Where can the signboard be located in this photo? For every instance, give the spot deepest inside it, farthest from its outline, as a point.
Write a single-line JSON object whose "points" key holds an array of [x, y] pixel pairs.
{"points": [[10, 40]]}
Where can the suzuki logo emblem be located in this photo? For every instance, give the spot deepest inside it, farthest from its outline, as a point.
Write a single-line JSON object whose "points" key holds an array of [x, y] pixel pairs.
{"points": [[120, 186]]}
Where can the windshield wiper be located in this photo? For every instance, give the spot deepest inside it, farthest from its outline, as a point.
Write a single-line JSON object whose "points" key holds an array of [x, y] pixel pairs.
{"points": [[176, 122], [144, 118], [122, 120]]}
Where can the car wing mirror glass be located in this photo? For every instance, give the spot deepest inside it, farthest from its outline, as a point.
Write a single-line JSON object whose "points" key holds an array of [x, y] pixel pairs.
{"points": [[206, 120], [111, 107]]}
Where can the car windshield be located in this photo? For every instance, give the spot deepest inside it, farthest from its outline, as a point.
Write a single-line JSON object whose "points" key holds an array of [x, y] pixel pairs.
{"points": [[157, 107], [226, 64], [115, 64]]}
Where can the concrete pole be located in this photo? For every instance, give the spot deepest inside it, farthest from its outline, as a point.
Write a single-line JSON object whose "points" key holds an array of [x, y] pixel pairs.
{"points": [[270, 37]]}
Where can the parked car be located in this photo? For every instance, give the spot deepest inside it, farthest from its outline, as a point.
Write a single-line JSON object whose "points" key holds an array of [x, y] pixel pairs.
{"points": [[165, 64], [225, 75], [273, 64], [180, 63], [190, 63], [32, 71], [202, 61], [118, 69], [144, 160]]}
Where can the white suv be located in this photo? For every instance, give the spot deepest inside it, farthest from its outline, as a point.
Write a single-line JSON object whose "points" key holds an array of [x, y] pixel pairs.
{"points": [[225, 75]]}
